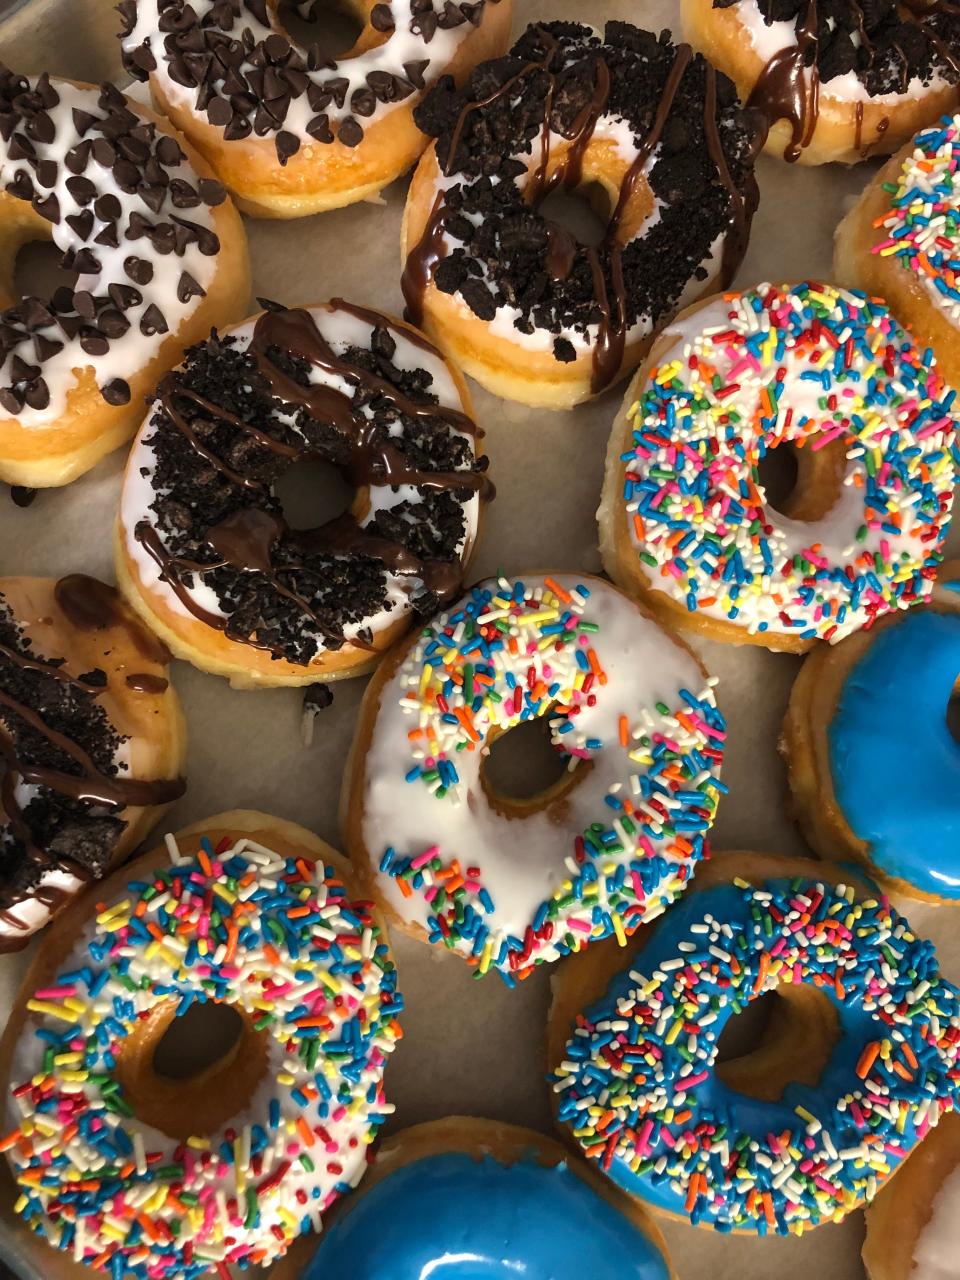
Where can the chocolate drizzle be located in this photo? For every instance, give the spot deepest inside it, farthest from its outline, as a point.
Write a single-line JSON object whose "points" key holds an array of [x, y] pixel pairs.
{"points": [[788, 87], [561, 254], [285, 344]]}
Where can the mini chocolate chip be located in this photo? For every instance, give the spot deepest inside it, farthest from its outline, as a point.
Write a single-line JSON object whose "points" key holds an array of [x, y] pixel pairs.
{"points": [[82, 120], [415, 72], [219, 111], [48, 208], [10, 400], [78, 157], [123, 296], [86, 263], [152, 197], [94, 343], [188, 288], [425, 26], [44, 348], [107, 207], [288, 144], [108, 236], [239, 127], [319, 128], [21, 186], [153, 321], [116, 392], [35, 314], [350, 132], [82, 190], [139, 270], [207, 241], [61, 300], [277, 47], [46, 173], [168, 151], [81, 223], [113, 324], [21, 371], [37, 394], [381, 18], [126, 175], [212, 192], [363, 102], [163, 238], [41, 128], [104, 152], [182, 195]]}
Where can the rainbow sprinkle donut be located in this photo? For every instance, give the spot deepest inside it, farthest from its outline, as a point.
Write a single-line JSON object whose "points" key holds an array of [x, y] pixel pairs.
{"points": [[510, 886], [685, 519], [637, 1084], [277, 939]]}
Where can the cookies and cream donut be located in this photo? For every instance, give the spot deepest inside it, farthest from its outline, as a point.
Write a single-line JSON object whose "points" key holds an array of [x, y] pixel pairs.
{"points": [[141, 1174], [645, 127], [92, 741], [837, 79], [203, 551], [463, 1198], [510, 884], [289, 131], [685, 521], [913, 1226], [843, 740], [159, 255], [863, 1059], [901, 240]]}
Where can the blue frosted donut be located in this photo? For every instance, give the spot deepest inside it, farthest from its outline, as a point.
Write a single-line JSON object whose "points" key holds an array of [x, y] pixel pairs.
{"points": [[639, 1092], [874, 767]]}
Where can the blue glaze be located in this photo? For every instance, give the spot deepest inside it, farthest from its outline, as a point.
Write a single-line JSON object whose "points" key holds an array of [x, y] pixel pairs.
{"points": [[665, 1105], [894, 762], [451, 1217]]}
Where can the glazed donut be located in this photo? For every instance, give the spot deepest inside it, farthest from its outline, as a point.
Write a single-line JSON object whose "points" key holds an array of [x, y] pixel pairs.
{"points": [[92, 739], [848, 708], [685, 523], [512, 884], [837, 79], [913, 1226], [159, 253], [143, 1175], [460, 1193], [901, 240], [290, 132], [203, 551], [776, 1145], [657, 136]]}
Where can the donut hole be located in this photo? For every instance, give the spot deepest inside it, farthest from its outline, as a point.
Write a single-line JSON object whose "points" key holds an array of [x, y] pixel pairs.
{"points": [[953, 713], [782, 1037], [778, 473], [38, 270], [583, 212], [523, 771], [189, 1075], [312, 492], [334, 26]]}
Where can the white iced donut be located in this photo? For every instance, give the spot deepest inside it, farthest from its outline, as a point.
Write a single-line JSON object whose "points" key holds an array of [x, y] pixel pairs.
{"points": [[512, 884]]}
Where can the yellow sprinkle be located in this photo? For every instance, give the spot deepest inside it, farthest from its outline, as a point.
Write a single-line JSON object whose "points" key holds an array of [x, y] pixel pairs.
{"points": [[51, 1010]]}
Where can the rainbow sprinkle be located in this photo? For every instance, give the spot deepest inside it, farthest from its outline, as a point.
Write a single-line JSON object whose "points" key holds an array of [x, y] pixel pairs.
{"points": [[806, 366], [637, 1084], [510, 652], [922, 224], [274, 937]]}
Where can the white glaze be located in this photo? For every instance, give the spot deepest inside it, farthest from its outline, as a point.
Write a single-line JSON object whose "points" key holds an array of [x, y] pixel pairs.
{"points": [[524, 861], [341, 330], [936, 1254], [403, 45], [133, 350]]}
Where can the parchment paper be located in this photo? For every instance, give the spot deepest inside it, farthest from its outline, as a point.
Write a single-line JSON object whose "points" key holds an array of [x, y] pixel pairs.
{"points": [[470, 1047]]}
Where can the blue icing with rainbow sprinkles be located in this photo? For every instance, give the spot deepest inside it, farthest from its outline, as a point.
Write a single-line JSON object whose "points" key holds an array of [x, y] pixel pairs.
{"points": [[637, 1085]]}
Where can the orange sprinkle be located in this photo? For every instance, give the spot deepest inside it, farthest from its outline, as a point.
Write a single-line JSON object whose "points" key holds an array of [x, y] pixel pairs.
{"points": [[305, 1132], [867, 1059], [557, 590], [624, 731]]}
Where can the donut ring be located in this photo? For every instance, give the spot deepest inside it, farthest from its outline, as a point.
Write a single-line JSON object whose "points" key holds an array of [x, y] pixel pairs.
{"points": [[289, 132], [516, 301], [242, 1165], [913, 1221], [92, 739], [886, 71], [684, 520], [202, 549], [848, 707], [904, 245], [636, 1083], [160, 256], [609, 846], [494, 1167]]}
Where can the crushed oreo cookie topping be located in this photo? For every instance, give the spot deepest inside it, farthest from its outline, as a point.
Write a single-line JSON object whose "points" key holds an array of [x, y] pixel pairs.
{"points": [[66, 779], [678, 125], [231, 61], [131, 218], [341, 384]]}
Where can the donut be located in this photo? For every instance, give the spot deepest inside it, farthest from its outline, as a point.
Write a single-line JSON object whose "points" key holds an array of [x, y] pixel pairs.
{"points": [[685, 522], [839, 80], [159, 253], [912, 1225], [901, 240], [466, 1197], [861, 1061], [289, 131], [92, 741], [140, 1174], [846, 717], [203, 551], [646, 130], [510, 884]]}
